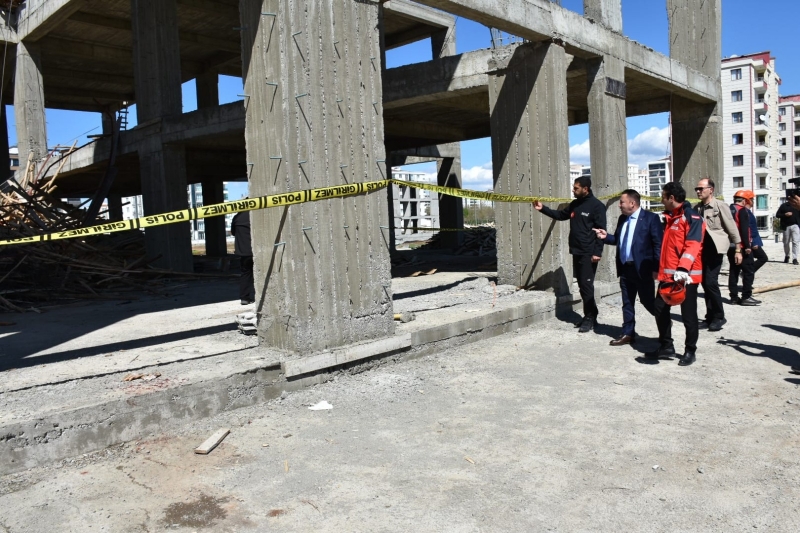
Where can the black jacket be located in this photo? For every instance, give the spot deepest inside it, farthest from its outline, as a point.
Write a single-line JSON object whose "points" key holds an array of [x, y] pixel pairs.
{"points": [[786, 207], [584, 214], [240, 229]]}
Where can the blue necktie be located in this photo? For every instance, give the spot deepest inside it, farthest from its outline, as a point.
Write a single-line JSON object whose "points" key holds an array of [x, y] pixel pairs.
{"points": [[624, 249]]}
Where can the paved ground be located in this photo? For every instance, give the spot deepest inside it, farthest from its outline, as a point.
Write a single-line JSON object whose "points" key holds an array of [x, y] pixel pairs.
{"points": [[540, 430]]}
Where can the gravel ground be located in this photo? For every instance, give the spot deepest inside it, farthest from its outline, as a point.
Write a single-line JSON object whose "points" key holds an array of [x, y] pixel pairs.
{"points": [[543, 429]]}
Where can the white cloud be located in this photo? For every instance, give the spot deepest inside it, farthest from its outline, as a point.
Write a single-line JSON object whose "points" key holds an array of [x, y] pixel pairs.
{"points": [[478, 178], [649, 145], [579, 153]]}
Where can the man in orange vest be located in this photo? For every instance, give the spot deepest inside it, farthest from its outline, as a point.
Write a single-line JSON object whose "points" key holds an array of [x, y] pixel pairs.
{"points": [[747, 268], [681, 266]]}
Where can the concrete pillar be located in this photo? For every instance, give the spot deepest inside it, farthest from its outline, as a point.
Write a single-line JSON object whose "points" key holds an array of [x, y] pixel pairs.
{"points": [[216, 244], [114, 207], [530, 154], [451, 208], [443, 43], [695, 40], [606, 12], [5, 158], [157, 80], [107, 120], [207, 86], [29, 104], [608, 141], [322, 269]]}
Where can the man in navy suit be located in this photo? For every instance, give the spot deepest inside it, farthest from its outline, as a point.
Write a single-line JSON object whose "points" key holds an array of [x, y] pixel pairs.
{"points": [[638, 241]]}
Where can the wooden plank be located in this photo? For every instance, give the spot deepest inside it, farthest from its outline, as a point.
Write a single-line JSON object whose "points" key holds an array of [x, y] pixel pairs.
{"points": [[345, 355], [212, 441]]}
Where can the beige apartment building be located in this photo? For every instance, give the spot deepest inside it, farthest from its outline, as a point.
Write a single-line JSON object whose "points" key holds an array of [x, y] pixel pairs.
{"points": [[788, 140]]}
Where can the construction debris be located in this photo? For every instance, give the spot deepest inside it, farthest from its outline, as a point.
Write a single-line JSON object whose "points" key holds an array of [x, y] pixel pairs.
{"points": [[247, 323], [405, 317], [212, 441], [478, 241]]}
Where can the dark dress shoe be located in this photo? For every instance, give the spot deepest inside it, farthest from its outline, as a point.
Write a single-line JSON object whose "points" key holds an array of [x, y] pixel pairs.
{"points": [[587, 325], [735, 300], [622, 340], [661, 353], [749, 302], [704, 324], [687, 359], [795, 370], [717, 324]]}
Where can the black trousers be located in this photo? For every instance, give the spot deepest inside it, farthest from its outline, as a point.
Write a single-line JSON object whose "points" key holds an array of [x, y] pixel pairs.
{"points": [[748, 271], [630, 285], [247, 288], [760, 257], [584, 270], [712, 264], [688, 314]]}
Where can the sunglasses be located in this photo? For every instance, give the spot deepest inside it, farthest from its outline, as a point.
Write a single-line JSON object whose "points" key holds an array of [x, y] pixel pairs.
{"points": [[700, 189]]}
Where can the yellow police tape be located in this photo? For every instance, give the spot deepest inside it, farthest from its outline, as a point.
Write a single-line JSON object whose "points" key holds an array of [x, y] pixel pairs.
{"points": [[278, 200]]}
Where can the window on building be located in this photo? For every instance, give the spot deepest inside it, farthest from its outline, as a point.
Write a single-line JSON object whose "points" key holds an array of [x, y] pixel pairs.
{"points": [[797, 140], [762, 200], [738, 182], [783, 156], [738, 160], [782, 142], [736, 96], [762, 182], [782, 111], [762, 162], [762, 222], [782, 126], [736, 74], [738, 138], [783, 172], [737, 117]]}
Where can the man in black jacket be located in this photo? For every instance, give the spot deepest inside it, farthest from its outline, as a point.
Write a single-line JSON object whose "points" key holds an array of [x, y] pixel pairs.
{"points": [[240, 229], [585, 214]]}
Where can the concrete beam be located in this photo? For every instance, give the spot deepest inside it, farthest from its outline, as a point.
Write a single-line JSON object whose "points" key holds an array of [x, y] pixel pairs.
{"points": [[542, 20], [39, 17], [530, 154], [424, 154], [419, 13], [424, 82]]}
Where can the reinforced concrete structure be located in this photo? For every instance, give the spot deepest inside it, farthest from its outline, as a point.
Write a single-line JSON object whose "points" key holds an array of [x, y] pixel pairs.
{"points": [[320, 108]]}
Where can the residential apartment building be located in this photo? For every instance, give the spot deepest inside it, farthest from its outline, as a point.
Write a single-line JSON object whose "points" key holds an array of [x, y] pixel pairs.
{"points": [[751, 137], [788, 141], [638, 181], [658, 174], [132, 207], [414, 208]]}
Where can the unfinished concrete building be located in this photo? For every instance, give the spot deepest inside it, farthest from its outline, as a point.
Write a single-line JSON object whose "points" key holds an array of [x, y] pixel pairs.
{"points": [[319, 108]]}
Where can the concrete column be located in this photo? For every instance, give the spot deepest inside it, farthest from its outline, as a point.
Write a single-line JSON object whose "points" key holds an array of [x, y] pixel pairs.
{"points": [[216, 244], [29, 104], [443, 43], [107, 120], [322, 269], [163, 171], [530, 154], [695, 40], [157, 80], [156, 58], [114, 207], [207, 86], [606, 12], [608, 140], [5, 159], [451, 208]]}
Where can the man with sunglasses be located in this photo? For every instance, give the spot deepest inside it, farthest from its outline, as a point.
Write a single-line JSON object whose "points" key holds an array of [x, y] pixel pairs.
{"points": [[721, 232]]}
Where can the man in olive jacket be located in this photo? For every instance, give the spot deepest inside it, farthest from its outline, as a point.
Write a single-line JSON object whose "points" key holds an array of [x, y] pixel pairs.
{"points": [[721, 232]]}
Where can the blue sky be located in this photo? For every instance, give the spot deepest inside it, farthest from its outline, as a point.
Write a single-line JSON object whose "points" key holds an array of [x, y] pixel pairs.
{"points": [[644, 21]]}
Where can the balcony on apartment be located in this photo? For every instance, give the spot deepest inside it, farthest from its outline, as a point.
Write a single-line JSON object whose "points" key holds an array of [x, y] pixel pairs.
{"points": [[760, 125], [761, 147], [760, 104]]}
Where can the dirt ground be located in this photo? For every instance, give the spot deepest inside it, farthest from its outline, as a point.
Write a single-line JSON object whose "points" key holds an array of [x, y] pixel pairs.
{"points": [[543, 429]]}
